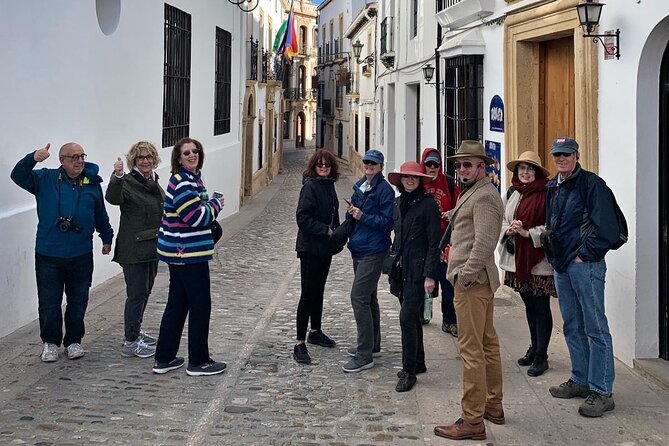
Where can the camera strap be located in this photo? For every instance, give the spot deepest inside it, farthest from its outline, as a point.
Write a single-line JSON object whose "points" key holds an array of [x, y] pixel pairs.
{"points": [[76, 206]]}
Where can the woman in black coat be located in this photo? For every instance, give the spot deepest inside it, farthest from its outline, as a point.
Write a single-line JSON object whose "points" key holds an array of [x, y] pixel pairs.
{"points": [[417, 234], [317, 218]]}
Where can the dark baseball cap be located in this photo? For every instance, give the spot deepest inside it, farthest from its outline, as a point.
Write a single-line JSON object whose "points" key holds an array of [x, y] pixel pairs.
{"points": [[564, 144]]}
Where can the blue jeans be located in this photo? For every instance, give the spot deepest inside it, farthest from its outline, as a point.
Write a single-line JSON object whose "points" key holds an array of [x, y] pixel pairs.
{"points": [[54, 274], [447, 295], [580, 292], [365, 303]]}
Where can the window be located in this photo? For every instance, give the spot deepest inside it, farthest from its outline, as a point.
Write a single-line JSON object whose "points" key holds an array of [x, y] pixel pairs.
{"points": [[222, 85], [176, 75], [339, 97], [414, 18], [463, 82], [260, 146]]}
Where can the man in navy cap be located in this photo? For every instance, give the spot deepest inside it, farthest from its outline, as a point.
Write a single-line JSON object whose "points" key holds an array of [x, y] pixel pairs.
{"points": [[372, 206], [581, 228]]}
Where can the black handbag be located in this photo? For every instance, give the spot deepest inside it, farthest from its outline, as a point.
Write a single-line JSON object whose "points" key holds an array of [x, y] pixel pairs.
{"points": [[392, 266], [216, 231], [343, 232], [510, 245]]}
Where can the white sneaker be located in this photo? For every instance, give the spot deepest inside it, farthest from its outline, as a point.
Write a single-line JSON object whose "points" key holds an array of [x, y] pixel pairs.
{"points": [[49, 352], [75, 351]]}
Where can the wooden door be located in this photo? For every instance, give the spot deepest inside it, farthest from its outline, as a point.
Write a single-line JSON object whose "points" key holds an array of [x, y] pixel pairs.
{"points": [[556, 95]]}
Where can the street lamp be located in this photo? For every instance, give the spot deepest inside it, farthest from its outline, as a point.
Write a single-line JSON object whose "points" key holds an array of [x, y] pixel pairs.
{"points": [[428, 72], [357, 50], [589, 14]]}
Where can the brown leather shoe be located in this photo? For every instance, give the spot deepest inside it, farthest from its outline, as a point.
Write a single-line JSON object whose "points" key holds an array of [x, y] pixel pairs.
{"points": [[494, 413], [461, 430]]}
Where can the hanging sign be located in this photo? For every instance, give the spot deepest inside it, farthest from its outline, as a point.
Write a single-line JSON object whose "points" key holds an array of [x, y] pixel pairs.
{"points": [[496, 114], [494, 150]]}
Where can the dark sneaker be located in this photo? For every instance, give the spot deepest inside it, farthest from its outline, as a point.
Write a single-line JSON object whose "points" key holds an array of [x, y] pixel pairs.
{"points": [[164, 367], [355, 365], [538, 367], [405, 383], [301, 354], [528, 359], [320, 338], [461, 430], [494, 413], [354, 351], [206, 369], [596, 404], [419, 369], [569, 389], [452, 329]]}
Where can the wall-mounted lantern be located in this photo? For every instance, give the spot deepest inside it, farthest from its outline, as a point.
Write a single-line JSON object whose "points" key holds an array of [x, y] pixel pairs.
{"points": [[357, 50], [589, 14]]}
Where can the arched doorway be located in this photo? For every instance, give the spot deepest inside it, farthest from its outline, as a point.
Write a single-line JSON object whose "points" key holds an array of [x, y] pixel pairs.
{"points": [[300, 130], [248, 124], [664, 206]]}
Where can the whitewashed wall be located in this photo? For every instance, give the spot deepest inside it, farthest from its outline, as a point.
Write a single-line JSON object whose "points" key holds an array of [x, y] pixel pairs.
{"points": [[628, 161], [65, 80]]}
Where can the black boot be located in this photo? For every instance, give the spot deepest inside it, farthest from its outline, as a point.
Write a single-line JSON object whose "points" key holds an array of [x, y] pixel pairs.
{"points": [[539, 366], [528, 358]]}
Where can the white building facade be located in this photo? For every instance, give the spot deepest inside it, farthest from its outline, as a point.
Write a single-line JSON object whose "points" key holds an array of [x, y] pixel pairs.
{"points": [[97, 73]]}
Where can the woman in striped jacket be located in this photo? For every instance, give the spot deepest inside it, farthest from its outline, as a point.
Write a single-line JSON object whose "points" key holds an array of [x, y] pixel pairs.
{"points": [[185, 243]]}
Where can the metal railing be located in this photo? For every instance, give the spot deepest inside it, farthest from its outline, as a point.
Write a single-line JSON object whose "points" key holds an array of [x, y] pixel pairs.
{"points": [[253, 65]]}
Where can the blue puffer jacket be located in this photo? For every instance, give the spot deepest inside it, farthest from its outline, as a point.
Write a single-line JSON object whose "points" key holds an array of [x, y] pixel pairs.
{"points": [[585, 229], [372, 232], [57, 197]]}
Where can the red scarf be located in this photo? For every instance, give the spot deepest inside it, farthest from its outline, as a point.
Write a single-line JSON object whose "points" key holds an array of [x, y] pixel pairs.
{"points": [[532, 212]]}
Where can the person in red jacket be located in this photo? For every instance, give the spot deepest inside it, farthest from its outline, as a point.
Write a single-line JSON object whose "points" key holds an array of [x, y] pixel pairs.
{"points": [[445, 192]]}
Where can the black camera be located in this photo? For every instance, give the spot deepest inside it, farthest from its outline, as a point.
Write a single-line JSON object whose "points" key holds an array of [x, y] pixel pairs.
{"points": [[67, 224]]}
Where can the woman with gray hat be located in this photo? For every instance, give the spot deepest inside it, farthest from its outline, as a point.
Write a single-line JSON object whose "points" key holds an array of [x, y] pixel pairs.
{"points": [[522, 258], [371, 206]]}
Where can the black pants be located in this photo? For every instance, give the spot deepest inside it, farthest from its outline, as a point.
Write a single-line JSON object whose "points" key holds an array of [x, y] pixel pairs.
{"points": [[413, 350], [189, 295], [55, 274], [539, 320], [139, 278], [314, 273]]}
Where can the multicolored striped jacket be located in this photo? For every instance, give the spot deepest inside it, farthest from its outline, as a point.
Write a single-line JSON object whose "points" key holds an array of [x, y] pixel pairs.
{"points": [[185, 234]]}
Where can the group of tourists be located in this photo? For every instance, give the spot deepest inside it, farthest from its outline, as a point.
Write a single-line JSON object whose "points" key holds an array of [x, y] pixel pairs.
{"points": [[173, 225], [551, 236]]}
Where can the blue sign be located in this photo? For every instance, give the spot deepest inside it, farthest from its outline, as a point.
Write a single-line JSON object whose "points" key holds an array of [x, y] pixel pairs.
{"points": [[494, 150], [496, 114]]}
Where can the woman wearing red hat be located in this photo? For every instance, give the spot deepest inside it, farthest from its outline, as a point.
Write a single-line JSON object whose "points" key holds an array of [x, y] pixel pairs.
{"points": [[416, 242]]}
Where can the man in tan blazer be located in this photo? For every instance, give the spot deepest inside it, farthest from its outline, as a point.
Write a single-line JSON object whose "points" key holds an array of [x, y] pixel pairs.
{"points": [[476, 222]]}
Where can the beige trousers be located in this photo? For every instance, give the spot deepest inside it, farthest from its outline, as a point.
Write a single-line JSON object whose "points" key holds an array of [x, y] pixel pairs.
{"points": [[479, 348]]}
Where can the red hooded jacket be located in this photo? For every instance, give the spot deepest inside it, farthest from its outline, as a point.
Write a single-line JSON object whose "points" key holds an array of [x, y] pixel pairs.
{"points": [[439, 189]]}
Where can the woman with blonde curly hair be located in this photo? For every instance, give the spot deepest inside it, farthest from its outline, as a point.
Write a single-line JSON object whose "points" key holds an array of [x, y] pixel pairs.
{"points": [[141, 200]]}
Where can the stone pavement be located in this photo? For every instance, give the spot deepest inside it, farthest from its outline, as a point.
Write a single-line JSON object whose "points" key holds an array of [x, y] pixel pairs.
{"points": [[266, 398]]}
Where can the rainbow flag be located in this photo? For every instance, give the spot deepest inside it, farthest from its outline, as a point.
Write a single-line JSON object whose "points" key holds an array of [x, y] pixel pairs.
{"points": [[289, 43]]}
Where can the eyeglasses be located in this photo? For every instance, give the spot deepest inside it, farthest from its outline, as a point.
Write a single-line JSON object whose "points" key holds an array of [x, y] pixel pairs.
{"points": [[559, 154], [145, 158], [323, 165], [365, 162], [465, 164], [187, 152], [432, 164], [526, 168], [75, 157]]}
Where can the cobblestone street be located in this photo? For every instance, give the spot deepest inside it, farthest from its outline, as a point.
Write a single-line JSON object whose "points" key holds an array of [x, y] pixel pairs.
{"points": [[264, 397]]}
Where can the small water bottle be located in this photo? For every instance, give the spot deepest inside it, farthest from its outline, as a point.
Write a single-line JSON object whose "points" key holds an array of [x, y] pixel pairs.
{"points": [[427, 307]]}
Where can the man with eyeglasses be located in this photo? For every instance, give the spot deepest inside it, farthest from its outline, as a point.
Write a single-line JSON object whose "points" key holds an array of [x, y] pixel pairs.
{"points": [[445, 192], [476, 221], [70, 207], [581, 227]]}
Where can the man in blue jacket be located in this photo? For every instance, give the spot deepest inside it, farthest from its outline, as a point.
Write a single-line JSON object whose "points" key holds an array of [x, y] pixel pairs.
{"points": [[70, 206], [372, 207], [582, 226]]}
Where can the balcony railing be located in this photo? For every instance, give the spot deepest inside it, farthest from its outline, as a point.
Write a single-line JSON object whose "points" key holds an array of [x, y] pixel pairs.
{"points": [[253, 64], [387, 35]]}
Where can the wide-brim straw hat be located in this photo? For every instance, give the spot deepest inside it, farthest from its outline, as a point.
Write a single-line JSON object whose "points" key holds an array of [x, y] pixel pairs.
{"points": [[407, 168], [471, 148], [528, 157]]}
